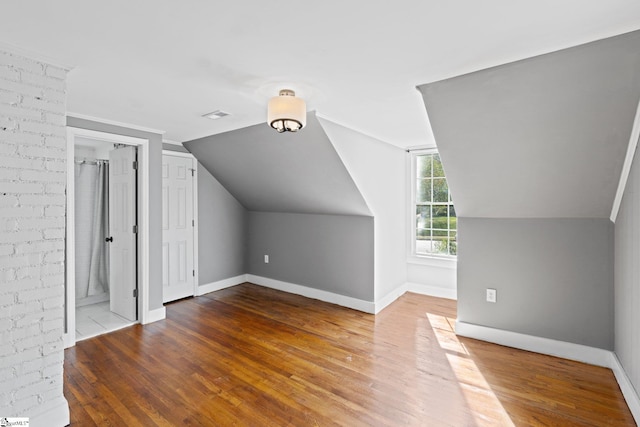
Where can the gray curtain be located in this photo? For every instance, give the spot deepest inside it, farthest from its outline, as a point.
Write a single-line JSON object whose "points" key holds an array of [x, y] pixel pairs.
{"points": [[92, 227]]}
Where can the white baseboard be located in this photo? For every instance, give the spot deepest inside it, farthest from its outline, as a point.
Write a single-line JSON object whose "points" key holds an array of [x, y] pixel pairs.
{"points": [[383, 302], [53, 414], [221, 284], [345, 301], [434, 291], [155, 315], [565, 350], [628, 391]]}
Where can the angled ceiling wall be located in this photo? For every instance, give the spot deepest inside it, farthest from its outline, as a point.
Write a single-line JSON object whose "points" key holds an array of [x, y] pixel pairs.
{"points": [[543, 137], [291, 172]]}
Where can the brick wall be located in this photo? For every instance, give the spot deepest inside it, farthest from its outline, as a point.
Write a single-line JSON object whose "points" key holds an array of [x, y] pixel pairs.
{"points": [[32, 231]]}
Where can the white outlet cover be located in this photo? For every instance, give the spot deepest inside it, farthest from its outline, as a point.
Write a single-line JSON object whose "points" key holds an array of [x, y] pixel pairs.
{"points": [[492, 295], [266, 259]]}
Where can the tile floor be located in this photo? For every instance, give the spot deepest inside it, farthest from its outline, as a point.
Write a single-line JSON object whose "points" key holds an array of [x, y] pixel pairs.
{"points": [[97, 319]]}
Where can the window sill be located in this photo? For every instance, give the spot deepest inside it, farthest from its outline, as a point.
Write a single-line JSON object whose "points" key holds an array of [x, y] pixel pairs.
{"points": [[434, 261]]}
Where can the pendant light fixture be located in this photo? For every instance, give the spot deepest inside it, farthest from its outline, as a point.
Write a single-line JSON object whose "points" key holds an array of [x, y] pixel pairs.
{"points": [[286, 113]]}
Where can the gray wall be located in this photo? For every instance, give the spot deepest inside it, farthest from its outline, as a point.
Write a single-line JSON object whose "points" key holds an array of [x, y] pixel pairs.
{"points": [[155, 199], [271, 172], [554, 277], [544, 137], [328, 252], [174, 147], [627, 278], [221, 231]]}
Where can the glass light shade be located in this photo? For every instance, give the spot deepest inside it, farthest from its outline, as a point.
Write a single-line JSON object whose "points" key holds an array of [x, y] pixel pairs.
{"points": [[286, 113]]}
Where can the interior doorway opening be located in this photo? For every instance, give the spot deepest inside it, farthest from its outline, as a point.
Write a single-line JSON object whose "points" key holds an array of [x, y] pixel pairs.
{"points": [[105, 204], [107, 233]]}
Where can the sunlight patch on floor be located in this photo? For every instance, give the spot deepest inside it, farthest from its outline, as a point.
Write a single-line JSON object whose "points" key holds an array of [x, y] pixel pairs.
{"points": [[485, 406]]}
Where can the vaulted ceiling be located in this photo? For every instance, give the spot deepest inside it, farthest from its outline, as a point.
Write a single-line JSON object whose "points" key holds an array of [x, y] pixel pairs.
{"points": [[543, 137], [291, 172], [162, 64]]}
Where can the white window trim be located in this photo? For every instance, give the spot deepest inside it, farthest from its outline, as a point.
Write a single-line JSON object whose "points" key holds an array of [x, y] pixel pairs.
{"points": [[436, 260]]}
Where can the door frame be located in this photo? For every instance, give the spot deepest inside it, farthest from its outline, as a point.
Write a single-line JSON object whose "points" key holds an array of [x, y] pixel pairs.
{"points": [[194, 164], [69, 335]]}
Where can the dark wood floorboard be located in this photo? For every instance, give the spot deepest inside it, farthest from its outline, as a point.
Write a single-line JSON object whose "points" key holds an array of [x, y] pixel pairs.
{"points": [[251, 356]]}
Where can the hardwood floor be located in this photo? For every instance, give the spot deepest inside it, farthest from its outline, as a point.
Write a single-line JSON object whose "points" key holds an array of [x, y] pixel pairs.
{"points": [[251, 356]]}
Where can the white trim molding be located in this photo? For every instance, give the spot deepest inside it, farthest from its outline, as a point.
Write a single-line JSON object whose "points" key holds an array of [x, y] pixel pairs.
{"points": [[330, 297], [155, 315], [565, 350], [178, 154], [434, 291], [551, 347], [388, 299], [172, 142], [143, 223], [626, 167], [115, 123], [220, 284], [54, 413], [628, 391], [416, 288]]}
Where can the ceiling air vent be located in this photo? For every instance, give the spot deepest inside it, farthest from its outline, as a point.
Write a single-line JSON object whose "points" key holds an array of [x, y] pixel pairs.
{"points": [[218, 114]]}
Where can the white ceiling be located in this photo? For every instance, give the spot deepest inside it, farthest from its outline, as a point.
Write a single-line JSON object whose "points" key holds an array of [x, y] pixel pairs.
{"points": [[162, 64]]}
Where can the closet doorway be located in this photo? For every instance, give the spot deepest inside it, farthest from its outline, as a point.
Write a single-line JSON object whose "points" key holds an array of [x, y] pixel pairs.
{"points": [[105, 242]]}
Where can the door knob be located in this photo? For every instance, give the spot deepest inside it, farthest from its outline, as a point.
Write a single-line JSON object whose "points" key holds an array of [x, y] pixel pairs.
{"points": [[109, 239]]}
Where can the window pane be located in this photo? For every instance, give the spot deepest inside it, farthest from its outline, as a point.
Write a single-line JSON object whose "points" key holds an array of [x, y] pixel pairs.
{"points": [[423, 216], [453, 221], [435, 223], [423, 191], [440, 190], [440, 217], [437, 166], [441, 246], [423, 234], [424, 166]]}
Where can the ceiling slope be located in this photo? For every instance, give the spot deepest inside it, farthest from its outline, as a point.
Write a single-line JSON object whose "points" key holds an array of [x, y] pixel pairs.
{"points": [[291, 172], [543, 137]]}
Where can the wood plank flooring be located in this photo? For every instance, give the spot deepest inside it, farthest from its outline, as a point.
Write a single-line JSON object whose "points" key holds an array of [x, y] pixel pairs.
{"points": [[251, 356]]}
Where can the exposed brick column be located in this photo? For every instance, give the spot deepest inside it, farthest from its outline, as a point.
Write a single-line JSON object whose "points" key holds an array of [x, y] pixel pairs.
{"points": [[32, 237]]}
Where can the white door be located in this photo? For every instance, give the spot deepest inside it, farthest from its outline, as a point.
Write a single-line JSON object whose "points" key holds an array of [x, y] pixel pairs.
{"points": [[122, 219], [177, 228]]}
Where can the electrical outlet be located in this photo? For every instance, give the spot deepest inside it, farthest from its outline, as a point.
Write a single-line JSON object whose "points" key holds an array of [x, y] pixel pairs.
{"points": [[492, 295], [266, 259]]}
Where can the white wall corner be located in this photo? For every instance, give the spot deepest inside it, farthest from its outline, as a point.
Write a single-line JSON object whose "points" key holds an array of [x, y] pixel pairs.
{"points": [[53, 414], [330, 297], [155, 315], [626, 167], [628, 391], [220, 284], [385, 301], [434, 291]]}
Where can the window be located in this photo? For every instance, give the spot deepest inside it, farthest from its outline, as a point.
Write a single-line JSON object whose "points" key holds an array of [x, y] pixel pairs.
{"points": [[435, 223]]}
